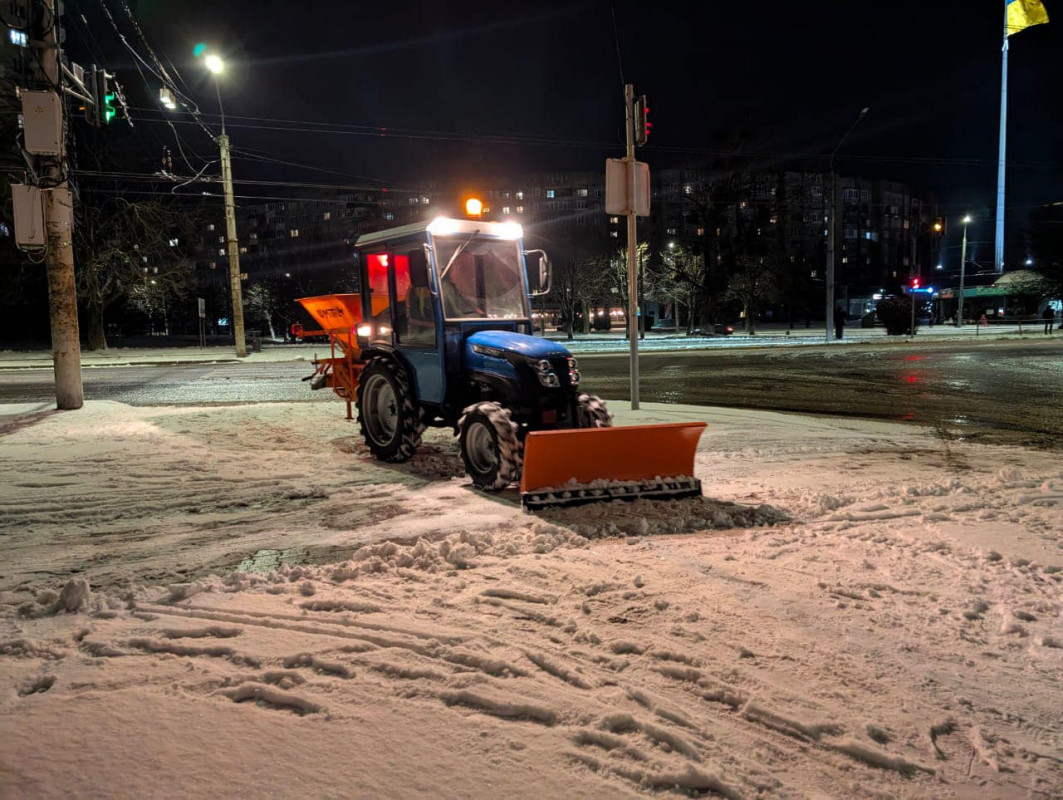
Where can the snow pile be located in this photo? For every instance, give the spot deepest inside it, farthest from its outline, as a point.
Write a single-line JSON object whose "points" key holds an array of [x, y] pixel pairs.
{"points": [[854, 610]]}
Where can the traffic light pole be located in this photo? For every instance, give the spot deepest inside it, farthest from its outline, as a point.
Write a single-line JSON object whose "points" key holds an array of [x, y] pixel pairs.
{"points": [[632, 246], [59, 229]]}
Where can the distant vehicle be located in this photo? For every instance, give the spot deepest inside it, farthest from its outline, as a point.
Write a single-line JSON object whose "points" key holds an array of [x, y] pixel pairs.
{"points": [[719, 329]]}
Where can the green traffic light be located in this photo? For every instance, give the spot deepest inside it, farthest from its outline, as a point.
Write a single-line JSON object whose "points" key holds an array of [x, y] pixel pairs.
{"points": [[108, 107]]}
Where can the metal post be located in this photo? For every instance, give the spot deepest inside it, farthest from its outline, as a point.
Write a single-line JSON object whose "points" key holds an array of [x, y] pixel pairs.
{"points": [[963, 268], [59, 231], [829, 323], [998, 252], [632, 245], [234, 254], [830, 227]]}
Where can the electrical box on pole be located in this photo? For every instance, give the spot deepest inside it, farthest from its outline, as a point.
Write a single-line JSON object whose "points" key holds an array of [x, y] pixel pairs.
{"points": [[28, 207], [42, 119], [618, 182]]}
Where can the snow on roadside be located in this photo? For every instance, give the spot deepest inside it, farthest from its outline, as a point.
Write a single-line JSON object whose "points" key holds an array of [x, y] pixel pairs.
{"points": [[881, 617]]}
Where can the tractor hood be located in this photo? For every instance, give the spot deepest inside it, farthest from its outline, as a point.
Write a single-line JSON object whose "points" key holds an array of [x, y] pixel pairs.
{"points": [[502, 343]]}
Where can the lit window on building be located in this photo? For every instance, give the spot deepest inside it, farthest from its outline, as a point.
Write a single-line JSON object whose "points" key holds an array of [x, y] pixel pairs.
{"points": [[221, 251], [213, 264], [581, 193], [520, 195], [614, 220], [18, 38], [210, 227], [520, 209], [700, 231], [670, 231], [243, 250], [425, 200], [688, 189], [328, 215], [221, 240], [294, 233], [613, 234], [505, 209], [389, 216], [550, 193], [175, 242]]}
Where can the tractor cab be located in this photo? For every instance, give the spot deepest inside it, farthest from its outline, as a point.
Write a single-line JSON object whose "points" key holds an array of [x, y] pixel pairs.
{"points": [[427, 287]]}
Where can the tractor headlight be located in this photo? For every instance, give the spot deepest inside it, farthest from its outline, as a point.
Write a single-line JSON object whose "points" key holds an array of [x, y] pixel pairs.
{"points": [[544, 370], [573, 371]]}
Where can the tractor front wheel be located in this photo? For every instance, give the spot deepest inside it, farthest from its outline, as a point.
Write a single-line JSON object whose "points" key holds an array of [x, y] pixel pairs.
{"points": [[592, 413], [392, 423], [490, 448]]}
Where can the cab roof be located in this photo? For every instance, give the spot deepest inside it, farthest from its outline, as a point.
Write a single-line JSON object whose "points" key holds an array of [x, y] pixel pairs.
{"points": [[441, 226]]}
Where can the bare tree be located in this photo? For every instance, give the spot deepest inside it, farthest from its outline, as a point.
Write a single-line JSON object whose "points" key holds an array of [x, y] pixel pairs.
{"points": [[262, 299], [752, 284], [685, 271], [127, 250], [615, 268]]}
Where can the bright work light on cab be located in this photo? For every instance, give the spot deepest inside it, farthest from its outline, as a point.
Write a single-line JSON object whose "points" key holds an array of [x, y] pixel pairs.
{"points": [[474, 207]]}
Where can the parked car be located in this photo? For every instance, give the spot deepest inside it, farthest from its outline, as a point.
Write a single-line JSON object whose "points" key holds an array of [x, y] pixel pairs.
{"points": [[719, 329]]}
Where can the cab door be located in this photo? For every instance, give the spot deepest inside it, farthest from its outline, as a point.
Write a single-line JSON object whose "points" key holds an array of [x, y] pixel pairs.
{"points": [[403, 313]]}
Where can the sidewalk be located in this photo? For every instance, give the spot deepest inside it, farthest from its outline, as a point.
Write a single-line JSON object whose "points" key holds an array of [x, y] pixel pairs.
{"points": [[599, 342]]}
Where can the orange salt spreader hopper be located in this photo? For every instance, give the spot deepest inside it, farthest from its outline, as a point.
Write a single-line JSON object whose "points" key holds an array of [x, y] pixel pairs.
{"points": [[586, 465], [339, 316]]}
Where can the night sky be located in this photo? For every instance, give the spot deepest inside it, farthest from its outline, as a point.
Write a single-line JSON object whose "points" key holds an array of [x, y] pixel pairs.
{"points": [[783, 79]]}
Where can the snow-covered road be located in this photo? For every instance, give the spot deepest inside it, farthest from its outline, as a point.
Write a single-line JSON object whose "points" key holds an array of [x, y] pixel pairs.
{"points": [[856, 609]]}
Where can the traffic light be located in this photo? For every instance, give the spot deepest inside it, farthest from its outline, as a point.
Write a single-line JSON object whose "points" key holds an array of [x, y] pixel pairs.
{"points": [[914, 283], [90, 108], [642, 120], [104, 97]]}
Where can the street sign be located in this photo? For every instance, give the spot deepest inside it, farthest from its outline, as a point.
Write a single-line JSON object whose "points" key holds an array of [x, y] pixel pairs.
{"points": [[202, 308], [618, 187], [920, 290]]}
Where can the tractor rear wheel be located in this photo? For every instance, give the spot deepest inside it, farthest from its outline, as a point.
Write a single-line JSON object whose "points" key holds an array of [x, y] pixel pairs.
{"points": [[490, 448], [391, 422], [592, 413]]}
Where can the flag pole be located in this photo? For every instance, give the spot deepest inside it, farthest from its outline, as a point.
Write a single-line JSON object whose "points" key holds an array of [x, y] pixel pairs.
{"points": [[998, 254]]}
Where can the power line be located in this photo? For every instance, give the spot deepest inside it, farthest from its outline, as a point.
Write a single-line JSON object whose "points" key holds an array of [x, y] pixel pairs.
{"points": [[383, 132], [157, 178]]}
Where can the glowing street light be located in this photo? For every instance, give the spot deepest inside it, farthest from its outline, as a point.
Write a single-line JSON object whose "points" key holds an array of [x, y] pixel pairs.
{"points": [[963, 268], [215, 66]]}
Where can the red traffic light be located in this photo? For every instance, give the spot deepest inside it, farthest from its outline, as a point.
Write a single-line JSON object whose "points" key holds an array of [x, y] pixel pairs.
{"points": [[915, 283]]}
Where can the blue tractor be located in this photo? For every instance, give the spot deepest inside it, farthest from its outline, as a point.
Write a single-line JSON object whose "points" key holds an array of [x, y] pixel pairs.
{"points": [[444, 338]]}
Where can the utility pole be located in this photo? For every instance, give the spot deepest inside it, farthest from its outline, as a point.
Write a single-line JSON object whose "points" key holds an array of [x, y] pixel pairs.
{"points": [[632, 246], [215, 65], [51, 171], [234, 253]]}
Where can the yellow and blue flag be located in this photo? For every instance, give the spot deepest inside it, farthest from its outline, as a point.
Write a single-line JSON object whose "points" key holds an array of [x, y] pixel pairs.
{"points": [[1024, 13]]}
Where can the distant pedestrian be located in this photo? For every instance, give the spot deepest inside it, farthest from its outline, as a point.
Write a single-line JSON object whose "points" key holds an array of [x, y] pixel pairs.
{"points": [[1049, 316], [839, 322], [982, 319]]}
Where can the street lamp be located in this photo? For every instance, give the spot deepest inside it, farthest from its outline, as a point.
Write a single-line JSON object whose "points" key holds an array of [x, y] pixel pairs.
{"points": [[963, 268], [216, 66], [830, 226]]}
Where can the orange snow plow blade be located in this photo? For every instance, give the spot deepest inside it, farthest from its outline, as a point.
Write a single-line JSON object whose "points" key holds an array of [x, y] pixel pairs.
{"points": [[573, 467]]}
